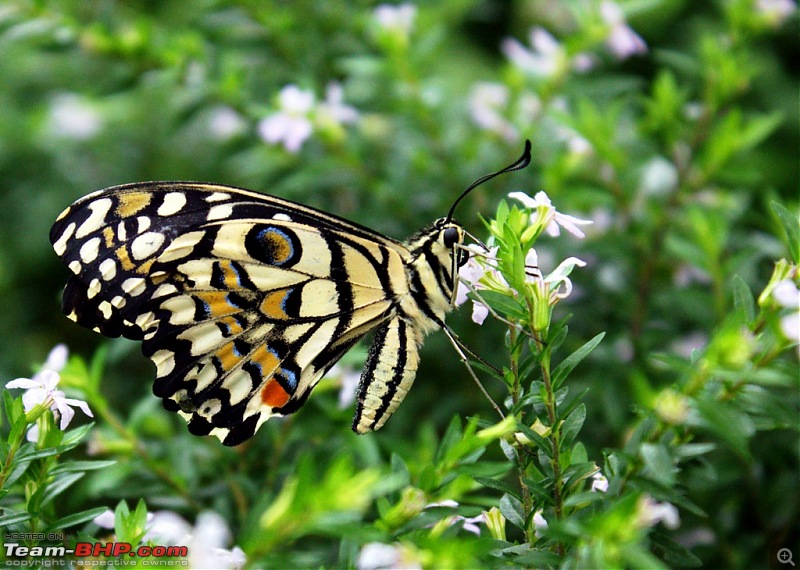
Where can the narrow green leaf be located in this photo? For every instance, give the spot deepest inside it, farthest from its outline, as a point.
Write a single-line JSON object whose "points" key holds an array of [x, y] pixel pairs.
{"points": [[498, 485], [14, 518], [503, 304], [674, 554], [74, 519], [511, 508], [61, 484], [38, 453], [570, 362], [791, 227], [729, 424], [74, 436], [572, 425], [743, 300], [81, 466], [658, 463]]}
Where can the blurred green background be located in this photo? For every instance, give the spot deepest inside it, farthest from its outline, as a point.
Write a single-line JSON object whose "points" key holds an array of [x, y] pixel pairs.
{"points": [[98, 93]]}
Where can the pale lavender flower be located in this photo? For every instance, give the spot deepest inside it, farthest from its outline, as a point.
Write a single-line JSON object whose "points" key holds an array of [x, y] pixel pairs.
{"points": [[470, 523], [379, 556], [224, 123], [539, 524], [72, 116], [787, 295], [291, 125], [545, 57], [348, 380], [41, 389], [600, 483], [396, 19], [481, 264], [546, 215], [652, 512], [622, 40], [775, 11], [487, 102], [333, 109], [689, 343]]}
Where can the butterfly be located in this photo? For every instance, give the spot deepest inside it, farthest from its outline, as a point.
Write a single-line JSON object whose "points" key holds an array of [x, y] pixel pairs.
{"points": [[243, 301]]}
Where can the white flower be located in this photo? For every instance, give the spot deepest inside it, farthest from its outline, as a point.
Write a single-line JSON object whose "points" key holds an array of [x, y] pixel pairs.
{"points": [[545, 58], [622, 40], [204, 542], [291, 125], [41, 389], [659, 177], [600, 483], [545, 214], [652, 512], [377, 556], [72, 116], [470, 523], [225, 123], [487, 101], [539, 524], [481, 263], [776, 11], [787, 295], [396, 19], [348, 380], [560, 278], [333, 109]]}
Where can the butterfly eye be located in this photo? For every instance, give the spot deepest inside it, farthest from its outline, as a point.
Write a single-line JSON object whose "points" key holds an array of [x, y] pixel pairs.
{"points": [[450, 237]]}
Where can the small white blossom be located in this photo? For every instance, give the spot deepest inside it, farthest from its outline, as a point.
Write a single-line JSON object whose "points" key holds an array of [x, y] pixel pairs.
{"points": [[776, 11], [659, 177], [622, 40], [487, 102], [539, 524], [652, 512], [379, 556], [333, 109], [545, 214], [600, 483], [560, 278], [41, 389], [396, 19], [291, 125], [470, 523], [224, 123], [545, 58], [204, 542], [481, 263], [348, 380], [787, 295], [72, 116]]}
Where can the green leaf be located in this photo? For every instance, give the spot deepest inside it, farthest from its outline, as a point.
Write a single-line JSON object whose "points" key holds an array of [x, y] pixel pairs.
{"points": [[731, 425], [674, 554], [498, 485], [81, 466], [74, 519], [38, 453], [502, 304], [74, 436], [14, 518], [450, 438], [511, 508], [791, 227], [658, 463], [569, 363], [572, 425], [61, 484], [743, 302]]}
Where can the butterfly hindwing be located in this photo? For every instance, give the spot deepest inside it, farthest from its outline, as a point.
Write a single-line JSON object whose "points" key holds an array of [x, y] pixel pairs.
{"points": [[243, 301]]}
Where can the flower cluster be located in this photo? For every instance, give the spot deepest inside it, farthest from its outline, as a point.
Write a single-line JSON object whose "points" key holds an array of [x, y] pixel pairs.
{"points": [[299, 115], [41, 391], [205, 541], [482, 270]]}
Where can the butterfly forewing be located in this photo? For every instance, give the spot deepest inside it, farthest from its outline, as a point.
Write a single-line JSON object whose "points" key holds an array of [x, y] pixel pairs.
{"points": [[243, 301]]}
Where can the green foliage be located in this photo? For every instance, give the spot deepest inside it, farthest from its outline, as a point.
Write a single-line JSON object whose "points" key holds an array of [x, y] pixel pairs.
{"points": [[655, 426]]}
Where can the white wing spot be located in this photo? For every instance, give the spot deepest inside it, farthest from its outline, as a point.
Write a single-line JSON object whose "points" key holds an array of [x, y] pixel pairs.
{"points": [[146, 320], [106, 309], [75, 266], [61, 244], [165, 289], [164, 361], [172, 204], [108, 269], [90, 250], [146, 245], [282, 217], [96, 219], [220, 212], [118, 301], [134, 286], [93, 289], [122, 234], [143, 224], [217, 197]]}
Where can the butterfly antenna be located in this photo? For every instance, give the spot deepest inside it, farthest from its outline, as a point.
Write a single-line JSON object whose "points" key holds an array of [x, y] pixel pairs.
{"points": [[521, 163]]}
